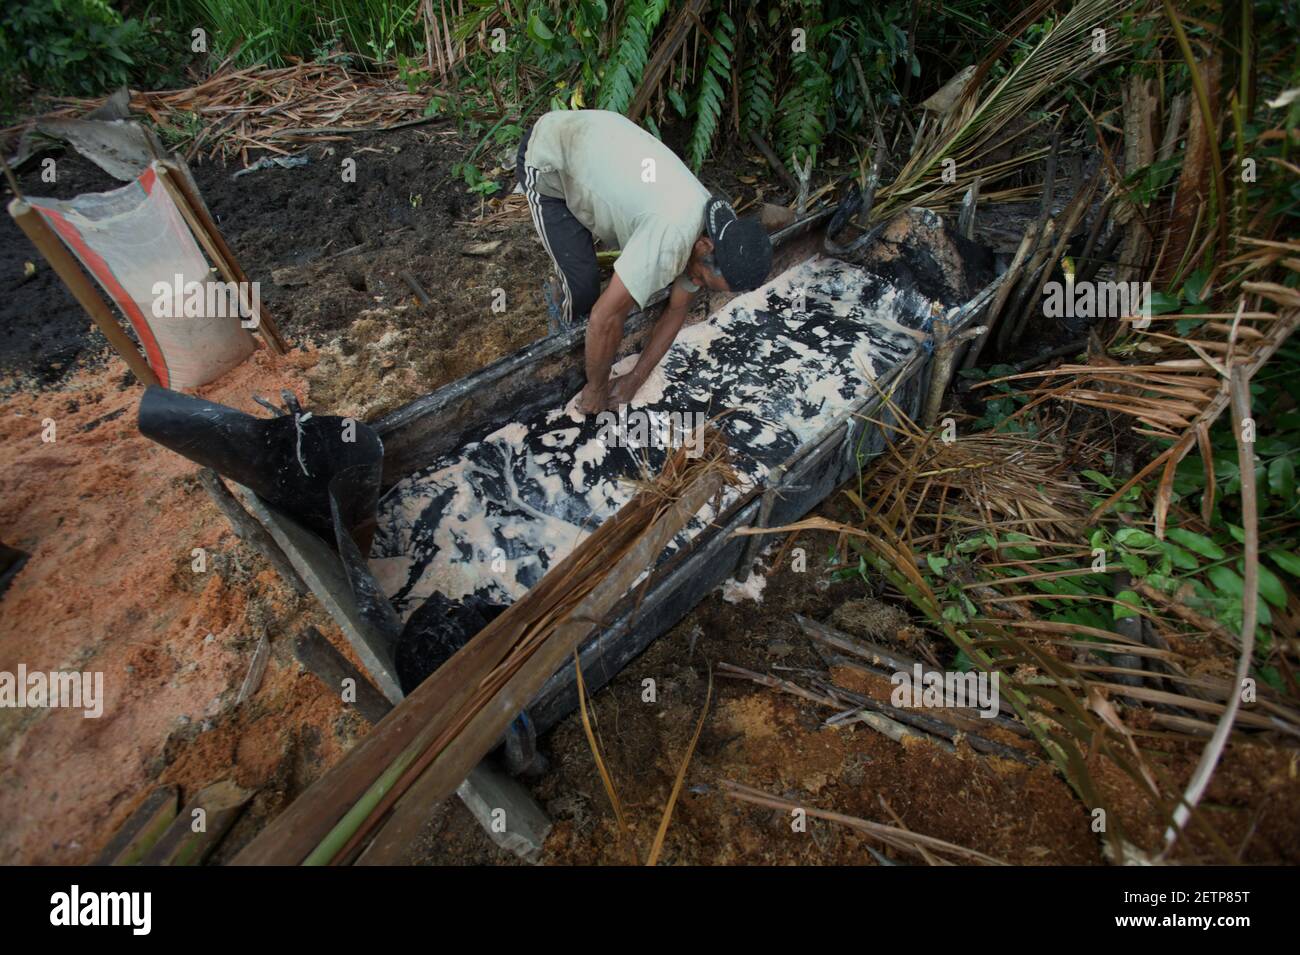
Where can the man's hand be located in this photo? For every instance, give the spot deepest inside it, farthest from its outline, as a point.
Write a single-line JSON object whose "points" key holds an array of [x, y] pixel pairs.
{"points": [[623, 389], [593, 399], [667, 326]]}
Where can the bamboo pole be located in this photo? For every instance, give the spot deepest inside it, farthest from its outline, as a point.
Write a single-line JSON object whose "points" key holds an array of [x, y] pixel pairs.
{"points": [[62, 261]]}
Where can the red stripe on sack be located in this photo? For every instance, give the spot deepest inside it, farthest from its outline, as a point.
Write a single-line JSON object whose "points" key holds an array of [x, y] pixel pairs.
{"points": [[99, 268]]}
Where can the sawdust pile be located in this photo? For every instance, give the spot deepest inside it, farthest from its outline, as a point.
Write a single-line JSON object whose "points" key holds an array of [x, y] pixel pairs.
{"points": [[111, 521]]}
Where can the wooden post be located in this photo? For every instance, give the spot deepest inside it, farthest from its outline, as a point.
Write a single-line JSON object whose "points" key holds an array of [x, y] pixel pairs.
{"points": [[205, 230], [79, 284]]}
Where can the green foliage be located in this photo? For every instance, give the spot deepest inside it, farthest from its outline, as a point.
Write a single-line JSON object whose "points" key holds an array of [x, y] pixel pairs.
{"points": [[757, 98], [69, 47], [877, 38], [274, 31], [474, 179], [800, 126], [714, 80], [412, 72], [627, 63], [997, 410]]}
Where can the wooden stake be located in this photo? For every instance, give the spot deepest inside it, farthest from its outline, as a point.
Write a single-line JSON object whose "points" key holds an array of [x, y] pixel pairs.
{"points": [[79, 284], [329, 666]]}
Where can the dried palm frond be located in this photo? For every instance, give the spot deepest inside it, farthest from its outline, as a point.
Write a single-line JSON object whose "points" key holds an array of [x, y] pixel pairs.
{"points": [[606, 779], [1003, 477], [1180, 396], [237, 110], [666, 819], [973, 129]]}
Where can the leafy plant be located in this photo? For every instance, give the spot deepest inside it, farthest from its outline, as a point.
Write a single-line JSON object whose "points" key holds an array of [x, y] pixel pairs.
{"points": [[623, 70], [800, 124], [411, 72], [758, 103], [714, 80], [69, 47], [474, 179]]}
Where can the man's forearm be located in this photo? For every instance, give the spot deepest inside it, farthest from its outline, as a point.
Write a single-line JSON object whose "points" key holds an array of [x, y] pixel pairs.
{"points": [[664, 334], [604, 332]]}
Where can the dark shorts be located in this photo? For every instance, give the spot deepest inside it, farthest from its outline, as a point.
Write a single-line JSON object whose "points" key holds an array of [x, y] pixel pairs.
{"points": [[568, 242]]}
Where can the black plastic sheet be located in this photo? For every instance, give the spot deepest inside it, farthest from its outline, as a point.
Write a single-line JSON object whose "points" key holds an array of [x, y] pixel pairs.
{"points": [[321, 470]]}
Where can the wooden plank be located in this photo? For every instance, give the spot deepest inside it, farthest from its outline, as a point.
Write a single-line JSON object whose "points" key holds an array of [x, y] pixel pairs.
{"points": [[200, 826], [505, 810], [322, 571], [142, 829]]}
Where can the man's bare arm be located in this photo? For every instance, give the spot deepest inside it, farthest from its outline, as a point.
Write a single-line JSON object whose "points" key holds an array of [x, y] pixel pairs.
{"points": [[604, 332], [665, 332]]}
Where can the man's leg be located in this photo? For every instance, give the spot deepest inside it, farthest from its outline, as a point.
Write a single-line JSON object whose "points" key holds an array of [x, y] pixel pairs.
{"points": [[569, 244]]}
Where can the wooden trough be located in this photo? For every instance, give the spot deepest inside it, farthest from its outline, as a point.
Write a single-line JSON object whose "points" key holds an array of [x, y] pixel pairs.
{"points": [[545, 375]]}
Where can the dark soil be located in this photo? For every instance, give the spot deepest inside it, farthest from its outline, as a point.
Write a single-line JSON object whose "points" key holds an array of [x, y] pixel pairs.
{"points": [[43, 331], [323, 250]]}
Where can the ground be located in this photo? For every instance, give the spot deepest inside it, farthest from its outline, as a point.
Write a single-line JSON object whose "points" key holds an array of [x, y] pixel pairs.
{"points": [[112, 523]]}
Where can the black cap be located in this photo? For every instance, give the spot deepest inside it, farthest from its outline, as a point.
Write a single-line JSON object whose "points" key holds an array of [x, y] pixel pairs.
{"points": [[741, 247]]}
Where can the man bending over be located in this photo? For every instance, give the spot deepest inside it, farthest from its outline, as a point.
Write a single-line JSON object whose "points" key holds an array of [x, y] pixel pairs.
{"points": [[592, 174]]}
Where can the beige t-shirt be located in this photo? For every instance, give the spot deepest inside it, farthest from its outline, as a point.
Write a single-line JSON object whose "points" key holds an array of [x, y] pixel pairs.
{"points": [[627, 187]]}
